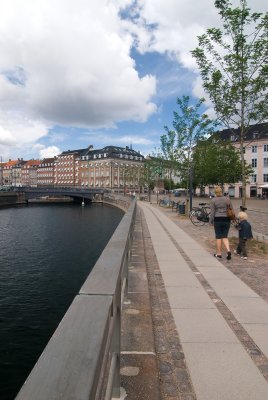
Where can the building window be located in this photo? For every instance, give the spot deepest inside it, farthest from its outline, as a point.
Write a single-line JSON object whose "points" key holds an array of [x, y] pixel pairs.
{"points": [[254, 149], [254, 162], [265, 147], [265, 162], [265, 177], [253, 178]]}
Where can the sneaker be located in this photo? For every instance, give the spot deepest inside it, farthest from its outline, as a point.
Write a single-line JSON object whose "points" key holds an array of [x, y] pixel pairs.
{"points": [[235, 252], [229, 255], [244, 258], [217, 255]]}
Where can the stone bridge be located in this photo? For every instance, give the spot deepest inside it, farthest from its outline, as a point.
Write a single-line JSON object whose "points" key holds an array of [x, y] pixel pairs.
{"points": [[74, 192]]}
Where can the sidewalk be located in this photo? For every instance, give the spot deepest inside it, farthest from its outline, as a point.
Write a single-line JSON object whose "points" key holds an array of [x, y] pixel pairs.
{"points": [[211, 329]]}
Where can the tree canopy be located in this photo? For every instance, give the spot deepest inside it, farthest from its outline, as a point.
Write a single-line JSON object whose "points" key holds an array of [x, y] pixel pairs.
{"points": [[189, 126], [216, 162], [233, 65]]}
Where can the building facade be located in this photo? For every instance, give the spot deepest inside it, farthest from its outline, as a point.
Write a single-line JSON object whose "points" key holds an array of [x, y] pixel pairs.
{"points": [[11, 172], [112, 167], [29, 173], [256, 155], [119, 169], [45, 172]]}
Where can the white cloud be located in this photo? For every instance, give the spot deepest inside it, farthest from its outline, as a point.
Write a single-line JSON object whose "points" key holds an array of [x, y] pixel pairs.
{"points": [[74, 60], [67, 63], [18, 134], [105, 139], [134, 140], [20, 129], [173, 25], [48, 152], [6, 137]]}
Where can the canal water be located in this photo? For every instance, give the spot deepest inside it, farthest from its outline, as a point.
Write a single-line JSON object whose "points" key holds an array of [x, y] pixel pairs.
{"points": [[46, 253]]}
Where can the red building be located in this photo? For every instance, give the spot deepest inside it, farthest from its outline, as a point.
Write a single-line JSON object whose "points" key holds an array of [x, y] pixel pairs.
{"points": [[45, 172]]}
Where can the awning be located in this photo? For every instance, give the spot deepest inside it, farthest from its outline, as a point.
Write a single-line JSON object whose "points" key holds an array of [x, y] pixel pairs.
{"points": [[264, 186]]}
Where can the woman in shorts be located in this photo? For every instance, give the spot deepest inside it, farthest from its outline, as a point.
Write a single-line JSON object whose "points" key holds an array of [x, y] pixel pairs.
{"points": [[220, 221]]}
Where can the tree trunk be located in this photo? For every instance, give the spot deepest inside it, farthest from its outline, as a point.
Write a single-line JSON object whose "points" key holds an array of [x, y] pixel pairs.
{"points": [[243, 167]]}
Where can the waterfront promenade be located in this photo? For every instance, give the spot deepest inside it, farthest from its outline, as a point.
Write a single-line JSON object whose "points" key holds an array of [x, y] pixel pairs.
{"points": [[193, 327]]}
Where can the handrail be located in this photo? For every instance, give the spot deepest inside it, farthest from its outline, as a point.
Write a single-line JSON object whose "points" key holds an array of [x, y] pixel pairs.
{"points": [[82, 359]]}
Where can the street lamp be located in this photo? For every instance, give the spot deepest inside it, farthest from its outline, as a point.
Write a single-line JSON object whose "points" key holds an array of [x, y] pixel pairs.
{"points": [[191, 186], [1, 172]]}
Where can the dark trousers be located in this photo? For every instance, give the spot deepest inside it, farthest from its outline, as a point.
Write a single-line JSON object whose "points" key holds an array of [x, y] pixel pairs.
{"points": [[241, 247]]}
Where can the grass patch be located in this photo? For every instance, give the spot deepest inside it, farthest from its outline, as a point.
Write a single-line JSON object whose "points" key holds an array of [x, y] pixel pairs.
{"points": [[253, 246]]}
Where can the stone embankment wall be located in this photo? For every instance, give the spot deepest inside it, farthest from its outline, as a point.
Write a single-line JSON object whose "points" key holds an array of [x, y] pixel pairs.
{"points": [[11, 199], [122, 202]]}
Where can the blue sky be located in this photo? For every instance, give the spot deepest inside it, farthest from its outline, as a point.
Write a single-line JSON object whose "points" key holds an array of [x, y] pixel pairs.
{"points": [[100, 72]]}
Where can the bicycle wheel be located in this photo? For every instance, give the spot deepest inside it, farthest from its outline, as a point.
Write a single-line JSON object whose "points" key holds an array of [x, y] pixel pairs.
{"points": [[196, 217], [206, 211]]}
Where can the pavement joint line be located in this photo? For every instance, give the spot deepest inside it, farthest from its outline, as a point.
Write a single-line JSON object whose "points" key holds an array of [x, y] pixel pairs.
{"points": [[169, 352], [258, 357], [148, 353], [137, 292]]}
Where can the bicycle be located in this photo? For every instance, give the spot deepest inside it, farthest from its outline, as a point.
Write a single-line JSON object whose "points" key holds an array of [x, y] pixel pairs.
{"points": [[165, 202], [200, 215]]}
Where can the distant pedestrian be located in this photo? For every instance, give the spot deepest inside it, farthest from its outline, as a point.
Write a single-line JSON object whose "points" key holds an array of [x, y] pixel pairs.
{"points": [[244, 233], [218, 218]]}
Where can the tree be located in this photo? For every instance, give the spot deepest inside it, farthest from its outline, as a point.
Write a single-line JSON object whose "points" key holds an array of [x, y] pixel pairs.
{"points": [[233, 66], [217, 162], [151, 170], [170, 153], [189, 126]]}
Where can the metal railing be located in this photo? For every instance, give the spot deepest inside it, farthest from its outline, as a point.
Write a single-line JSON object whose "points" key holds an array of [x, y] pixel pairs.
{"points": [[82, 359]]}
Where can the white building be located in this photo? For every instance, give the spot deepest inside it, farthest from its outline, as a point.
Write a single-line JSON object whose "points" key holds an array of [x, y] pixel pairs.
{"points": [[256, 155]]}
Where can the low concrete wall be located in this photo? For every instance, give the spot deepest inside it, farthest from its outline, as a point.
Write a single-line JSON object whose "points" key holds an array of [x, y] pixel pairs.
{"points": [[81, 360]]}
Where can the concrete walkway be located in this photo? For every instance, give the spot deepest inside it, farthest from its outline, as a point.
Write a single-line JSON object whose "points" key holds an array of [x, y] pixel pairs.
{"points": [[206, 300]]}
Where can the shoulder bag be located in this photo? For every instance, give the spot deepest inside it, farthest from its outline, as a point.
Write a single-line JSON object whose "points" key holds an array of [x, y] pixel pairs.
{"points": [[230, 212]]}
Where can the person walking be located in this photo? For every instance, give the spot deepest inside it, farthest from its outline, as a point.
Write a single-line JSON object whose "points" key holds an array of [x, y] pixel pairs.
{"points": [[220, 221], [245, 233]]}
